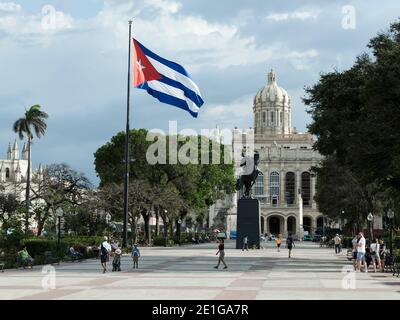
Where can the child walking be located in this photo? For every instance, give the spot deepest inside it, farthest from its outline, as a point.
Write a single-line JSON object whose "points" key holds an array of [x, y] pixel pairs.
{"points": [[135, 256]]}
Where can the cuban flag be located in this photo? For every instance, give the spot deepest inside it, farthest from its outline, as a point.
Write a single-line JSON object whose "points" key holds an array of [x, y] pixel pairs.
{"points": [[165, 80]]}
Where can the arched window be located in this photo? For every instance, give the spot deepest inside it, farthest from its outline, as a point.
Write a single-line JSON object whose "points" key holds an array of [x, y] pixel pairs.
{"points": [[306, 188], [7, 173], [272, 118], [290, 187], [259, 185], [274, 187], [264, 117]]}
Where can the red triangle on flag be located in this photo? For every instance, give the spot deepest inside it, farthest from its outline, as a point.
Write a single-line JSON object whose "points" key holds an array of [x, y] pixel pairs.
{"points": [[142, 68]]}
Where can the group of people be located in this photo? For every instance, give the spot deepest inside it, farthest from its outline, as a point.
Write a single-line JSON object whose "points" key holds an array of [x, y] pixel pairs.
{"points": [[106, 249], [289, 243], [278, 242], [364, 255]]}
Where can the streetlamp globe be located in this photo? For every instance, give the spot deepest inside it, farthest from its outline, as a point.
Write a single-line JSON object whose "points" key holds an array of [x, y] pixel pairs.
{"points": [[59, 212], [390, 214], [370, 217]]}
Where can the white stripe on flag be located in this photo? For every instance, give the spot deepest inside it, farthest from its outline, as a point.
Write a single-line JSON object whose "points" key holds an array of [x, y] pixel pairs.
{"points": [[172, 91], [171, 73]]}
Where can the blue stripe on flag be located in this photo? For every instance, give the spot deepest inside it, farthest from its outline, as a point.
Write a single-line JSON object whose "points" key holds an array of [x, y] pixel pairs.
{"points": [[170, 64], [168, 99], [188, 93]]}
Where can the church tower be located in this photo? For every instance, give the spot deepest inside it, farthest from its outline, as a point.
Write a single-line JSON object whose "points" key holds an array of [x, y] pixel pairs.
{"points": [[15, 151], [25, 152], [272, 109]]}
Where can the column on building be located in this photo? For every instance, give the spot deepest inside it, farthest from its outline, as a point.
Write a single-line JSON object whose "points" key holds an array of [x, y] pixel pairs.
{"points": [[313, 224], [266, 186], [298, 185], [282, 187], [285, 230], [313, 181]]}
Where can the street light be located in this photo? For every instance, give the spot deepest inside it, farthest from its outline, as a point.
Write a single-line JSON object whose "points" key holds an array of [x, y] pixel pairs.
{"points": [[390, 215], [59, 213], [108, 219], [369, 218]]}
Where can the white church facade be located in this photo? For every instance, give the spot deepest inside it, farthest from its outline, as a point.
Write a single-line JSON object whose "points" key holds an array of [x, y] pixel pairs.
{"points": [[14, 170]]}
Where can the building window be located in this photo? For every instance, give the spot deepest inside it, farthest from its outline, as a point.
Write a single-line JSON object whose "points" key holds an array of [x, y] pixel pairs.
{"points": [[259, 185], [306, 188], [281, 118], [264, 116], [274, 187], [290, 187], [7, 173], [272, 118]]}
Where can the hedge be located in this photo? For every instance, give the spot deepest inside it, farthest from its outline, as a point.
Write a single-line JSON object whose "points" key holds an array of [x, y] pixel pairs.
{"points": [[36, 247]]}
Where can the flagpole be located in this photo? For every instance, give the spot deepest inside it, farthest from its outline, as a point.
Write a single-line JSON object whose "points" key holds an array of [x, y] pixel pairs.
{"points": [[127, 140]]}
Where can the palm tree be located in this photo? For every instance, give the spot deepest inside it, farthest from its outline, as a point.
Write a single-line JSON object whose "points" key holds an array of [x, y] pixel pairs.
{"points": [[33, 122]]}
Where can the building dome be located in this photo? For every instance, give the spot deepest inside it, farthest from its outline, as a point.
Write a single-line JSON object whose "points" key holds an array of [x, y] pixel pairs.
{"points": [[272, 93], [272, 108]]}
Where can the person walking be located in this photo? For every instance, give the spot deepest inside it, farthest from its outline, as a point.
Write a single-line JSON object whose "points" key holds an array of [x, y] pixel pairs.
{"points": [[105, 249], [382, 254], [338, 243], [135, 256], [289, 244], [245, 243], [354, 251], [376, 260], [278, 242], [221, 252], [117, 260], [361, 253]]}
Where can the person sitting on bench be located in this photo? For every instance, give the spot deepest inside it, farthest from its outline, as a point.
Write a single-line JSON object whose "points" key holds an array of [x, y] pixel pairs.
{"points": [[24, 259], [75, 255]]}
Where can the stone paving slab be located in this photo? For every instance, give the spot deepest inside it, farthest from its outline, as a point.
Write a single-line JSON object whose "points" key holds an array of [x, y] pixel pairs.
{"points": [[187, 273]]}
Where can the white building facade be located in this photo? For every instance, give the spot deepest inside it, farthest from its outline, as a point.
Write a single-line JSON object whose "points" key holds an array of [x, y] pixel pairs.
{"points": [[286, 159]]}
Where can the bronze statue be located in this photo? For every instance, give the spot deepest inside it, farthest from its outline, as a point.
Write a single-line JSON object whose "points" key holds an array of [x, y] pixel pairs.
{"points": [[250, 175]]}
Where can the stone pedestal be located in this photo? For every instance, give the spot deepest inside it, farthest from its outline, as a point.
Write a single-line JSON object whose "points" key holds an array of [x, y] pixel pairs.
{"points": [[248, 222]]}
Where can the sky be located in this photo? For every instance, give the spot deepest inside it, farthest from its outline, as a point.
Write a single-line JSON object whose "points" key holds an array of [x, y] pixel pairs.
{"points": [[70, 56]]}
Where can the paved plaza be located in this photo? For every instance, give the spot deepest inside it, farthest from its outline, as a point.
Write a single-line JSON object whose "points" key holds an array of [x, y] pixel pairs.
{"points": [[185, 273]]}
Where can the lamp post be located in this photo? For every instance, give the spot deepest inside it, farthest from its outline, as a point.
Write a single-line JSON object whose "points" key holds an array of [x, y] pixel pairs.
{"points": [[108, 219], [390, 215], [59, 213], [370, 217]]}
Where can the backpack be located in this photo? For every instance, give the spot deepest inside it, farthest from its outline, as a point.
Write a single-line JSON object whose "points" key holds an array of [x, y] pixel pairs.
{"points": [[135, 253], [103, 249], [289, 241]]}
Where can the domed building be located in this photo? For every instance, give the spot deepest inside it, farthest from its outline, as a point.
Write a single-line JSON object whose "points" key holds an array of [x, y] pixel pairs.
{"points": [[286, 187]]}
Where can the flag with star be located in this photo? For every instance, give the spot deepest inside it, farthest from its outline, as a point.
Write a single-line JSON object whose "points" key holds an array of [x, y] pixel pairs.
{"points": [[165, 80]]}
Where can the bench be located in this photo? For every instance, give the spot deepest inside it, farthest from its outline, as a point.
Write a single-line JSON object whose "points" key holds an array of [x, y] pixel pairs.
{"points": [[50, 259]]}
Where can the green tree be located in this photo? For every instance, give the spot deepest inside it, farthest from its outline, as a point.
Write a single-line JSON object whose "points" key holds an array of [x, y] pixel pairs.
{"points": [[196, 185], [61, 186], [32, 122]]}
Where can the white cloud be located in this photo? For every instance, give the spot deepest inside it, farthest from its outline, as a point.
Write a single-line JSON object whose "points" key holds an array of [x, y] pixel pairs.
{"points": [[165, 5], [16, 23], [238, 108], [9, 6], [295, 15]]}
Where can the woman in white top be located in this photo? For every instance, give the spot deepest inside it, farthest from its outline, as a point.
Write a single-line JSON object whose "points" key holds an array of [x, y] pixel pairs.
{"points": [[376, 260]]}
